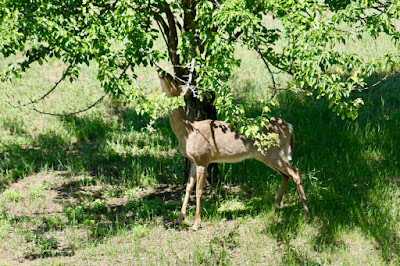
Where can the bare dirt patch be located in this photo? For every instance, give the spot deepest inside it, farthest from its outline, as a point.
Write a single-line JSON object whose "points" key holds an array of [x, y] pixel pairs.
{"points": [[72, 210]]}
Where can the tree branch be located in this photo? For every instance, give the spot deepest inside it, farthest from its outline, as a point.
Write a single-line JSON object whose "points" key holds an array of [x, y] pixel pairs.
{"points": [[189, 16], [69, 114], [162, 25], [269, 69], [375, 84], [188, 84], [172, 40], [33, 55], [44, 95], [83, 110], [106, 6]]}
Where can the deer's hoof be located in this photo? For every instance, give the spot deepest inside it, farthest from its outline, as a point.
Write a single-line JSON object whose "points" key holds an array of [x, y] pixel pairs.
{"points": [[184, 222], [194, 228], [306, 214]]}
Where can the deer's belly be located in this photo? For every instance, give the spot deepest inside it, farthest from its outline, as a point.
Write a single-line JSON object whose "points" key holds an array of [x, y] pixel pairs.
{"points": [[232, 158]]}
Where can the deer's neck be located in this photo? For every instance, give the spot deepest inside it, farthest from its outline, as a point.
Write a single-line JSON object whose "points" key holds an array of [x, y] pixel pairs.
{"points": [[180, 123]]}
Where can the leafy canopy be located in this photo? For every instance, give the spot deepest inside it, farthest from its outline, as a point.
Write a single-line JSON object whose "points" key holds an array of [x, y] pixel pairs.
{"points": [[201, 37]]}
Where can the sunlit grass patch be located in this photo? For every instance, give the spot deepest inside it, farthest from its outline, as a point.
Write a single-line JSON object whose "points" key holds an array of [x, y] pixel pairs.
{"points": [[134, 193], [37, 190], [359, 250], [13, 195], [233, 205], [139, 231], [5, 228]]}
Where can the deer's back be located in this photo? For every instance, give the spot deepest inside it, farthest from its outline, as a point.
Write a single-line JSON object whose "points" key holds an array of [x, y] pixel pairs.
{"points": [[214, 141]]}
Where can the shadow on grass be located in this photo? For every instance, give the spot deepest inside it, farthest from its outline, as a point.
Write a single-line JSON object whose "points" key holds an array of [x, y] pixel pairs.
{"points": [[351, 167], [94, 150], [349, 170], [112, 151]]}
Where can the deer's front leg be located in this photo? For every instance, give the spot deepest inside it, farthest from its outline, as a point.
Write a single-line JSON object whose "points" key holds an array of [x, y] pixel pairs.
{"points": [[189, 187], [201, 172]]}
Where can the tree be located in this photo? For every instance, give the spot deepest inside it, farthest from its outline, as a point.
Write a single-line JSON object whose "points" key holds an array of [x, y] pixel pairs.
{"points": [[201, 37]]}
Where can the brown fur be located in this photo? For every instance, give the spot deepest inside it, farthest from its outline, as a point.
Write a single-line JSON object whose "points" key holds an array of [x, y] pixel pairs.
{"points": [[212, 141]]}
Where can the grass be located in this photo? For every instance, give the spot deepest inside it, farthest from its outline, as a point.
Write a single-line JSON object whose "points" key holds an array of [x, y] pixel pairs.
{"points": [[99, 189]]}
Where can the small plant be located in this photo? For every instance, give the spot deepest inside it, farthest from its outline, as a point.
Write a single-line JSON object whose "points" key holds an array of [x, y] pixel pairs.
{"points": [[133, 193], [5, 228], [232, 206], [85, 215], [13, 195], [75, 214], [100, 206], [55, 222], [139, 231], [47, 245], [37, 190]]}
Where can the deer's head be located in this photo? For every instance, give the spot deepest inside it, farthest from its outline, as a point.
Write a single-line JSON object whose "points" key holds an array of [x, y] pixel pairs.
{"points": [[168, 84]]}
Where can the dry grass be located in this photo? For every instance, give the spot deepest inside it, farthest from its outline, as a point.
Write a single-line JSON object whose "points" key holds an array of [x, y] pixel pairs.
{"points": [[45, 235]]}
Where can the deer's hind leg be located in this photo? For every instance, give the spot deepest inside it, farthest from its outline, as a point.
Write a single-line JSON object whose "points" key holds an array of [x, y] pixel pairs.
{"points": [[287, 170], [294, 173], [285, 179]]}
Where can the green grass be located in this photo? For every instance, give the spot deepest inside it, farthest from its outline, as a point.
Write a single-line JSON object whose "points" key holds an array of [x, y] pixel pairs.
{"points": [[12, 195], [98, 188]]}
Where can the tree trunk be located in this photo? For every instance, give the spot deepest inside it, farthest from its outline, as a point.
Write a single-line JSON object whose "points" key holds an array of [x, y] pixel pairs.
{"points": [[198, 110], [195, 109]]}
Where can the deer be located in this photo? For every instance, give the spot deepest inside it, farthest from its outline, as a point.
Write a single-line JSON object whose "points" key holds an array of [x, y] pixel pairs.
{"points": [[213, 141]]}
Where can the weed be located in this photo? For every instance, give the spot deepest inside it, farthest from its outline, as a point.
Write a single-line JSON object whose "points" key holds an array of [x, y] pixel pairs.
{"points": [[37, 191], [75, 214], [46, 245], [99, 206], [133, 193], [5, 228], [55, 222], [13, 195], [232, 206], [139, 231]]}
